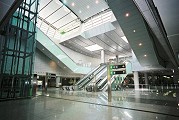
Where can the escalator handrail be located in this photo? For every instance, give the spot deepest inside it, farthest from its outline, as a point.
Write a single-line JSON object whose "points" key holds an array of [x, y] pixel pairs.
{"points": [[88, 81], [85, 80], [105, 86], [91, 72], [98, 79], [82, 85], [105, 78]]}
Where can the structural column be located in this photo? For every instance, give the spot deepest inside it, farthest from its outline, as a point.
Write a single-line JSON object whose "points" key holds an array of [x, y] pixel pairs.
{"points": [[117, 60], [136, 80], [57, 81], [146, 79], [102, 56]]}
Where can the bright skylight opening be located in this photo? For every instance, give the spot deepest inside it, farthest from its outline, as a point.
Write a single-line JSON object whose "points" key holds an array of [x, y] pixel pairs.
{"points": [[94, 47], [125, 39]]}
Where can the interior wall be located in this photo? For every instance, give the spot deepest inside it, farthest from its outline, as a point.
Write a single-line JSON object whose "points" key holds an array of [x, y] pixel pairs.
{"points": [[80, 58], [44, 64]]}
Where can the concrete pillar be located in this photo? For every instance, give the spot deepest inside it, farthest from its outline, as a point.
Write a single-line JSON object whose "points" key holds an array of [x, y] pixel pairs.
{"points": [[146, 78], [102, 56], [117, 60], [136, 80], [35, 82], [176, 76], [57, 81]]}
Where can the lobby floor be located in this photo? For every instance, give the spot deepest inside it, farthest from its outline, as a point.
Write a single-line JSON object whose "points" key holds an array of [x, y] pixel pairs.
{"points": [[81, 105]]}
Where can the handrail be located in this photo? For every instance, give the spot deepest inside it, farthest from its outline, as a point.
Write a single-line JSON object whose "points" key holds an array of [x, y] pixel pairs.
{"points": [[104, 70], [102, 81], [83, 84], [55, 44], [105, 86], [91, 72], [86, 82]]}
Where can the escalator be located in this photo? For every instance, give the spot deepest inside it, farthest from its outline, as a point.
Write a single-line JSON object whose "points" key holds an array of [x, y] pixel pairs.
{"points": [[91, 76], [90, 73], [101, 84], [104, 84]]}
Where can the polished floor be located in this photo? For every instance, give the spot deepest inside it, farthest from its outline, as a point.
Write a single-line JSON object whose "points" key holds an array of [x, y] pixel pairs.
{"points": [[81, 105]]}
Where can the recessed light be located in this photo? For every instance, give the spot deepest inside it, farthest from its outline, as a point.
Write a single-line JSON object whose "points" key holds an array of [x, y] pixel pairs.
{"points": [[79, 11], [87, 6], [134, 31], [145, 55], [97, 2], [127, 14], [140, 44], [72, 4]]}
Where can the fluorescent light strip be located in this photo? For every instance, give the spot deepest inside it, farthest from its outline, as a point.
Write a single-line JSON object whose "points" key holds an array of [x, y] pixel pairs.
{"points": [[125, 39], [94, 47]]}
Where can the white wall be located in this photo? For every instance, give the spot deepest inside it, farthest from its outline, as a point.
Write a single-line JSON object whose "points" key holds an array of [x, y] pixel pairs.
{"points": [[80, 58], [43, 64]]}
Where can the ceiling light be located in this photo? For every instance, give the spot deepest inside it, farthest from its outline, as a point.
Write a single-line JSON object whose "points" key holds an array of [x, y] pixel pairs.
{"points": [[125, 39], [133, 30], [97, 1], [145, 55], [127, 14], [79, 11], [72, 4], [140, 44], [87, 6], [94, 47]]}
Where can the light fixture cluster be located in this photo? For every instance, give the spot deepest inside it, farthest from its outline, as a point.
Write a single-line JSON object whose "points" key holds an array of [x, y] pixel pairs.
{"points": [[125, 39]]}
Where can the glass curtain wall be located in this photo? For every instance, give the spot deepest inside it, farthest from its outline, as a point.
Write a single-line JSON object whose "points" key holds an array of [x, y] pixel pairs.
{"points": [[17, 48]]}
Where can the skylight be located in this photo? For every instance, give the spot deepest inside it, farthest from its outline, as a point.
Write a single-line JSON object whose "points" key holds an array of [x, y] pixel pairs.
{"points": [[125, 39], [94, 47]]}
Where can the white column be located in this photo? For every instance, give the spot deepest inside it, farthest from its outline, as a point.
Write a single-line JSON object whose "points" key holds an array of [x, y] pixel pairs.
{"points": [[146, 79], [102, 56], [117, 60], [57, 81], [136, 80]]}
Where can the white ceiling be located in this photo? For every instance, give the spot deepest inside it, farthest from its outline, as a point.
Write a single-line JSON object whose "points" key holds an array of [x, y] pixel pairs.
{"points": [[86, 8], [59, 16], [110, 41]]}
